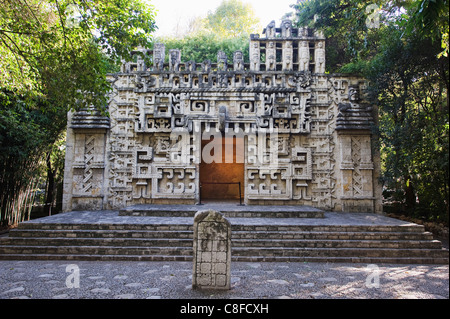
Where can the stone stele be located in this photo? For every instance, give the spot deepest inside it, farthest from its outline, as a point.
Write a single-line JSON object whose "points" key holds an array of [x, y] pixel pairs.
{"points": [[212, 251]]}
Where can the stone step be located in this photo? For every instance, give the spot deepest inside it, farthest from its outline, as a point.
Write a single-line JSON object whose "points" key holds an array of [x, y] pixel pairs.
{"points": [[369, 244], [85, 233], [328, 259], [328, 228], [104, 226], [319, 235], [366, 260], [261, 239], [234, 224], [96, 258], [94, 250], [277, 254], [123, 242], [338, 252], [184, 234], [186, 242]]}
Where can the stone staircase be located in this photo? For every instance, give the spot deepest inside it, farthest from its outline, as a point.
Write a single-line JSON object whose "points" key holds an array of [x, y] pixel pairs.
{"points": [[332, 243], [253, 239]]}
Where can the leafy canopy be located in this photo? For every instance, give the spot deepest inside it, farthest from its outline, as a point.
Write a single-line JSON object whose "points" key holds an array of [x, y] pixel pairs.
{"points": [[232, 18], [62, 49], [55, 55], [227, 28]]}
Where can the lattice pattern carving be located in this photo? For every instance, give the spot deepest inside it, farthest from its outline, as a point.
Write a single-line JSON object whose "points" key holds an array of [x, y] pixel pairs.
{"points": [[88, 158]]}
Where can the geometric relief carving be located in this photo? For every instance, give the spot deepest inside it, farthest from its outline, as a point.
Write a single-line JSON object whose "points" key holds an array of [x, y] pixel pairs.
{"points": [[199, 107], [141, 189], [266, 183], [87, 171], [356, 159], [174, 182], [302, 163], [290, 112], [162, 145], [245, 108], [356, 167], [283, 144], [158, 124], [162, 110], [301, 172], [89, 159], [142, 163]]}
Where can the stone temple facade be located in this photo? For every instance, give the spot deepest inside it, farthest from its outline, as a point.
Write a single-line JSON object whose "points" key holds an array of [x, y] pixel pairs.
{"points": [[275, 130]]}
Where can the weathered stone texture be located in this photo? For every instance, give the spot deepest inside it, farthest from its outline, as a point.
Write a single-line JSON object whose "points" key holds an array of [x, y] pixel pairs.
{"points": [[307, 135], [212, 251]]}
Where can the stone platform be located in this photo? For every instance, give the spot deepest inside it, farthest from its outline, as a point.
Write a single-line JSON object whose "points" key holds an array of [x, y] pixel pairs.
{"points": [[337, 237], [228, 209]]}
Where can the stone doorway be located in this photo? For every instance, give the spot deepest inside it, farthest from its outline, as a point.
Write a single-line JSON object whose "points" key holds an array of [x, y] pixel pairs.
{"points": [[222, 168]]}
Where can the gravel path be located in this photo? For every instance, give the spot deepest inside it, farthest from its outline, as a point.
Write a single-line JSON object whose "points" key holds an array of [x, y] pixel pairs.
{"points": [[172, 280]]}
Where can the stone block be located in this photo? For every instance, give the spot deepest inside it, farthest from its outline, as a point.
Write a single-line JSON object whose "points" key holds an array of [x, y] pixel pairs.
{"points": [[212, 251], [220, 268]]}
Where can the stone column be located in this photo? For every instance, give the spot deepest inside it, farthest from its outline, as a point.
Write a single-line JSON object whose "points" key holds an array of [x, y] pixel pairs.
{"points": [[174, 60], [84, 172], [271, 56], [159, 54], [212, 251], [255, 53], [319, 57], [288, 52], [303, 56]]}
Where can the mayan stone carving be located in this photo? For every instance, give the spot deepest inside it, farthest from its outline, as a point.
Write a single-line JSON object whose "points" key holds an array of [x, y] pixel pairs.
{"points": [[212, 251], [183, 131]]}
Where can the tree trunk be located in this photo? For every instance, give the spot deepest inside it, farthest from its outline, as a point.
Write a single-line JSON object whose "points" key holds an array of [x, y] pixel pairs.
{"points": [[50, 186], [410, 196]]}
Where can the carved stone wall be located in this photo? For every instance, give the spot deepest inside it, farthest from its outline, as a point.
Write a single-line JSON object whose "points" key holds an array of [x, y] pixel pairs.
{"points": [[307, 135], [84, 175]]}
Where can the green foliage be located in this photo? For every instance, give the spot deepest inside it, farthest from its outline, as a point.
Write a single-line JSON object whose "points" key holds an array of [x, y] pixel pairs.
{"points": [[232, 18], [55, 57], [61, 50], [203, 47], [430, 20], [405, 58], [25, 135], [349, 38], [227, 29]]}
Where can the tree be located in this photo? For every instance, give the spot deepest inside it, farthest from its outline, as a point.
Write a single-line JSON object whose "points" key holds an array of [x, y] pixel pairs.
{"points": [[201, 47], [231, 19], [405, 58], [55, 57], [60, 49], [227, 28], [25, 136]]}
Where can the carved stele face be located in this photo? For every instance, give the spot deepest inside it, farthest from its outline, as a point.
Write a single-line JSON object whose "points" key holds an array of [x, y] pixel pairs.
{"points": [[158, 56], [173, 57], [353, 94]]}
